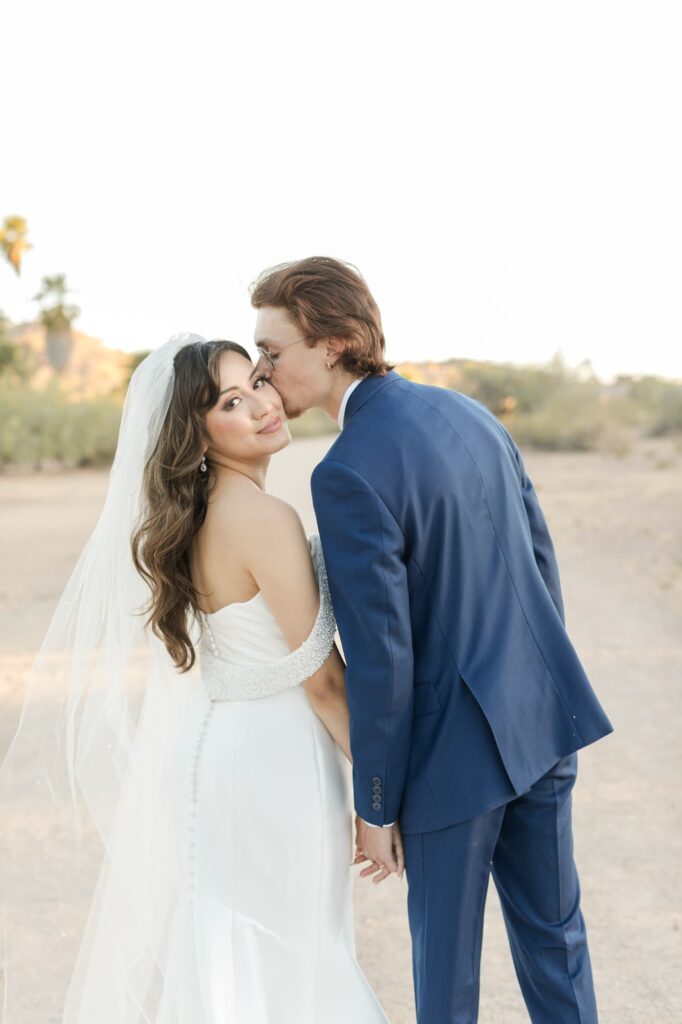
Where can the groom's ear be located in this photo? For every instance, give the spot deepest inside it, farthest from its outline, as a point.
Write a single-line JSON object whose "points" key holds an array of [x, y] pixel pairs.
{"points": [[335, 346]]}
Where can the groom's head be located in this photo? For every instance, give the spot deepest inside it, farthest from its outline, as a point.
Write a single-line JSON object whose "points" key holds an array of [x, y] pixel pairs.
{"points": [[318, 326]]}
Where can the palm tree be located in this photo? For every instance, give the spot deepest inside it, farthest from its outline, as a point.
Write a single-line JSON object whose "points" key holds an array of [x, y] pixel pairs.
{"points": [[13, 240], [57, 317]]}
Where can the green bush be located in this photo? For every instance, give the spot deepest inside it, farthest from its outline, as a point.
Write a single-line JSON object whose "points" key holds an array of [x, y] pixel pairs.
{"points": [[546, 407], [493, 384], [572, 419], [41, 426], [558, 409], [669, 417], [313, 423]]}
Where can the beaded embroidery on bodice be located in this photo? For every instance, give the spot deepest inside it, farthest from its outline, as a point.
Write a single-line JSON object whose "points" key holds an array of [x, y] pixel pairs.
{"points": [[243, 655]]}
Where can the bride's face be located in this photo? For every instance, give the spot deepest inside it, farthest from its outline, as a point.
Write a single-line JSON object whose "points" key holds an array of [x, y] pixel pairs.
{"points": [[248, 420]]}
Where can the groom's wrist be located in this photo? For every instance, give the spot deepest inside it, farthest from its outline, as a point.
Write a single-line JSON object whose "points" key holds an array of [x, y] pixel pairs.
{"points": [[372, 825]]}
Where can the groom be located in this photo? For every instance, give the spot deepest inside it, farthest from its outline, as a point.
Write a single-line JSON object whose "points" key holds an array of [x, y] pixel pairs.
{"points": [[467, 699]]}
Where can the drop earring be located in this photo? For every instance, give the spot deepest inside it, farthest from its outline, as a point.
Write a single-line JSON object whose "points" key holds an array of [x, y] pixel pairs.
{"points": [[203, 467]]}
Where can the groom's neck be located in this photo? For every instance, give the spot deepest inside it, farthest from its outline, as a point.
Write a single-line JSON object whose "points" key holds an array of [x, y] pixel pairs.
{"points": [[342, 381]]}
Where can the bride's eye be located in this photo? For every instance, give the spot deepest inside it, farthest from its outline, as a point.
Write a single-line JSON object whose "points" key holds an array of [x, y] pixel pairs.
{"points": [[264, 378]]}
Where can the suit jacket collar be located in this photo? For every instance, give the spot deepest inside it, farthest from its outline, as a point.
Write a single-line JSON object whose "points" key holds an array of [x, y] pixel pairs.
{"points": [[366, 389]]}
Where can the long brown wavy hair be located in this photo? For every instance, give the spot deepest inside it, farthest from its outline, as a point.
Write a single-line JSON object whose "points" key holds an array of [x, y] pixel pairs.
{"points": [[175, 497]]}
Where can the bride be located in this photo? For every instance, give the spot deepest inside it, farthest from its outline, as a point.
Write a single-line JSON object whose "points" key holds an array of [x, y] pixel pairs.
{"points": [[179, 758]]}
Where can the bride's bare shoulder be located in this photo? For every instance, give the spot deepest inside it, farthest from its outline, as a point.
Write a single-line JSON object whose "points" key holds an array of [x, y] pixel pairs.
{"points": [[276, 553], [269, 512], [255, 515]]}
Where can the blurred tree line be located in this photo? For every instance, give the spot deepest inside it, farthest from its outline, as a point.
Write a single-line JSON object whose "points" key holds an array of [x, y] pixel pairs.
{"points": [[552, 406], [558, 408]]}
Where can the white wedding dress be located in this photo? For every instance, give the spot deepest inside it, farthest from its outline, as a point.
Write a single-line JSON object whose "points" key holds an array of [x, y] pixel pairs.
{"points": [[263, 933]]}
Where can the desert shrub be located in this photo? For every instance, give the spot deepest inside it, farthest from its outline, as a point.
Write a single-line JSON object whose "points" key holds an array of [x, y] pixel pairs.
{"points": [[571, 419], [41, 426], [648, 393], [559, 409], [313, 423], [498, 386], [8, 355], [547, 407], [16, 364], [668, 419]]}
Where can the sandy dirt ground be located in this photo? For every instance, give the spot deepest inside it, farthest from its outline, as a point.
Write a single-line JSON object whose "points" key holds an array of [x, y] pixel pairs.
{"points": [[617, 525]]}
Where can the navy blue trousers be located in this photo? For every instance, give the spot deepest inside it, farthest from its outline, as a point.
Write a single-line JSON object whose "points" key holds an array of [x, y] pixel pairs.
{"points": [[527, 844]]}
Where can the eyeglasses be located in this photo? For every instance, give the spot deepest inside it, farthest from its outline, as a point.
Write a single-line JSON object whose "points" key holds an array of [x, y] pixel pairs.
{"points": [[270, 358]]}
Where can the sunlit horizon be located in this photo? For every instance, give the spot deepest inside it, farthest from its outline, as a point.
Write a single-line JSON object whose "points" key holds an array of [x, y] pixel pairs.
{"points": [[506, 180]]}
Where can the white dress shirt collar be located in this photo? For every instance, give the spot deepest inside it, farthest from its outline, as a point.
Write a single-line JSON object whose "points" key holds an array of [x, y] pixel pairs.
{"points": [[344, 401]]}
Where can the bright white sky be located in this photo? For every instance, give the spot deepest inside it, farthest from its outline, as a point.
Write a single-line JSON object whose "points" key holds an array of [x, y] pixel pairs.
{"points": [[506, 175]]}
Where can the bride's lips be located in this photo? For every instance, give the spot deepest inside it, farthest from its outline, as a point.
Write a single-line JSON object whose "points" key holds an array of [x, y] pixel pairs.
{"points": [[271, 427]]}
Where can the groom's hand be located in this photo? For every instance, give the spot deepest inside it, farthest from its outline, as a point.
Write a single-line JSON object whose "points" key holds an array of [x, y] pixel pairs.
{"points": [[382, 846]]}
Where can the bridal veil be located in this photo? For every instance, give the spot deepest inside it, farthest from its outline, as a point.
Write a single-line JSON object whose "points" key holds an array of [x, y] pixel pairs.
{"points": [[90, 866]]}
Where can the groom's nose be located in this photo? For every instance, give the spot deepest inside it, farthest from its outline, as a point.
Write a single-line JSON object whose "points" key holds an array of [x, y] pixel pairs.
{"points": [[264, 364]]}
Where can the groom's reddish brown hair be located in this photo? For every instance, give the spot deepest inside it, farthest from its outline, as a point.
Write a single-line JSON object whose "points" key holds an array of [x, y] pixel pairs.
{"points": [[327, 298]]}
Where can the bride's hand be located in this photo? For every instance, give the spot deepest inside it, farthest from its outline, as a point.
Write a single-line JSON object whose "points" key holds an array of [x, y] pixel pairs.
{"points": [[386, 849]]}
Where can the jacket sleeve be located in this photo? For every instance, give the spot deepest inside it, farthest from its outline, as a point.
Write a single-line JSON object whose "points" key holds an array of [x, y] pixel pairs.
{"points": [[542, 542], [363, 548]]}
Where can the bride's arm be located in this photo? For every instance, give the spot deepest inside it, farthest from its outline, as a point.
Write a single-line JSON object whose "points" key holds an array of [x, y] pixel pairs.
{"points": [[276, 553], [326, 692]]}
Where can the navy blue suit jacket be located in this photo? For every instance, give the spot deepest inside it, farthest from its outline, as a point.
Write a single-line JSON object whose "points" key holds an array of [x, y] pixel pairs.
{"points": [[463, 685]]}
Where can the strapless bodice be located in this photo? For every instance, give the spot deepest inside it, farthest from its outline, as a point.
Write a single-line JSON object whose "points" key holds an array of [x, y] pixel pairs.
{"points": [[242, 651], [246, 632]]}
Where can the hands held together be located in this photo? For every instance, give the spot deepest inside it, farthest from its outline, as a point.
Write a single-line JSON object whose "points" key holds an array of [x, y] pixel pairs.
{"points": [[383, 847]]}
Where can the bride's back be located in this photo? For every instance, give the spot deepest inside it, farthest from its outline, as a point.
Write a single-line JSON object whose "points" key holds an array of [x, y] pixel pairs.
{"points": [[252, 542], [220, 553]]}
